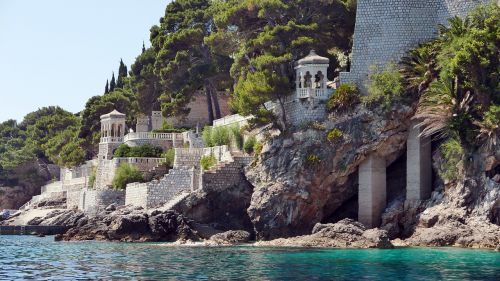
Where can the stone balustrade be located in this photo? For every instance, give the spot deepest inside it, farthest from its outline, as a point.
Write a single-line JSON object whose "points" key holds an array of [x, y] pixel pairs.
{"points": [[315, 93], [232, 119], [111, 139], [154, 136]]}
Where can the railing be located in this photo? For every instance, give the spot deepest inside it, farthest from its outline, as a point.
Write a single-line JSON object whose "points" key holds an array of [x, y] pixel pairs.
{"points": [[231, 119], [318, 93], [111, 139], [138, 160], [154, 136]]}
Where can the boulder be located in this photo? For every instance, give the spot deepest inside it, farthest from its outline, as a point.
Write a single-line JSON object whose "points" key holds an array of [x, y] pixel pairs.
{"points": [[232, 237]]}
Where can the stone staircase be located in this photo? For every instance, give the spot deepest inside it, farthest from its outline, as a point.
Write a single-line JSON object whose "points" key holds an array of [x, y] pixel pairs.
{"points": [[226, 173], [174, 201]]}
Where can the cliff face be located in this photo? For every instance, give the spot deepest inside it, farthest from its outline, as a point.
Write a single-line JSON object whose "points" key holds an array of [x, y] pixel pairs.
{"points": [[302, 178], [29, 179]]}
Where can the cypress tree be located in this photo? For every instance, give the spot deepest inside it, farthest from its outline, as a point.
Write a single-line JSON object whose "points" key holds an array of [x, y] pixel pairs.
{"points": [[122, 73], [106, 89], [143, 47], [112, 84]]}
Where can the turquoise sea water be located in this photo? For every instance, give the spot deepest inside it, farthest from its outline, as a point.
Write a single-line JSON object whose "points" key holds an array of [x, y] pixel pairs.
{"points": [[24, 257]]}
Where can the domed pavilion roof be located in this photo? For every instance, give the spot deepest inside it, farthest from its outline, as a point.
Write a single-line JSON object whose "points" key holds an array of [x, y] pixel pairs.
{"points": [[313, 58], [112, 114]]}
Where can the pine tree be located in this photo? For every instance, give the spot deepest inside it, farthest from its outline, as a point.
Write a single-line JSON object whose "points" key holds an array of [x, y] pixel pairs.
{"points": [[122, 73], [106, 89], [112, 84]]}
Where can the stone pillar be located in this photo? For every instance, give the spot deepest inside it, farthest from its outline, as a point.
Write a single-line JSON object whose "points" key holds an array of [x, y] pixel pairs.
{"points": [[418, 166], [372, 191]]}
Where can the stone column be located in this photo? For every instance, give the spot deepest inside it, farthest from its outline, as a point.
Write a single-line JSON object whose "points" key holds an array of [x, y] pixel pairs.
{"points": [[372, 191], [418, 166]]}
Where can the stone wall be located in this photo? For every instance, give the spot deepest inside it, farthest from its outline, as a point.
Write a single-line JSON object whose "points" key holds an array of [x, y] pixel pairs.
{"points": [[198, 115], [302, 111], [158, 192], [386, 29], [93, 201]]}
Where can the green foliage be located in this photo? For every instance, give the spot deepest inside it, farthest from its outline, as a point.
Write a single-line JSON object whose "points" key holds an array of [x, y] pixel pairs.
{"points": [[236, 136], [122, 100], [223, 135], [208, 162], [344, 98], [249, 145], [257, 148], [462, 80], [384, 87], [122, 74], [169, 158], [334, 135], [265, 37], [169, 128], [126, 174], [313, 159], [452, 166], [146, 150], [207, 136], [112, 84], [92, 177]]}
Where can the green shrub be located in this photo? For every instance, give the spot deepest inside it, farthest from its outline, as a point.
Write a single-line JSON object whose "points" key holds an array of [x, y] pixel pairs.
{"points": [[452, 152], [313, 159], [207, 136], [345, 97], [122, 151], [126, 174], [169, 158], [221, 136], [249, 145], [92, 177], [334, 135], [169, 128], [207, 162], [384, 86], [257, 148], [146, 150], [236, 136]]}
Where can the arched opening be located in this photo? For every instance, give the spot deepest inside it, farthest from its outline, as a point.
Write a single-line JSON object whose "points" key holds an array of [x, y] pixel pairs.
{"points": [[120, 130], [308, 80], [319, 80], [113, 130]]}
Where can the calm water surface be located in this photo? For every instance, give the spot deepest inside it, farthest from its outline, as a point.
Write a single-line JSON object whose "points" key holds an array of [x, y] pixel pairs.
{"points": [[24, 257]]}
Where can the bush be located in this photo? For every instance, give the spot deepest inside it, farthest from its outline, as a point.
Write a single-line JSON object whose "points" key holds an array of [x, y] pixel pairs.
{"points": [[146, 150], [126, 174], [169, 158], [313, 159], [224, 135], [236, 136], [257, 148], [384, 86], [345, 97], [221, 136], [207, 136], [169, 128], [334, 135], [207, 162], [248, 147], [452, 152], [92, 177]]}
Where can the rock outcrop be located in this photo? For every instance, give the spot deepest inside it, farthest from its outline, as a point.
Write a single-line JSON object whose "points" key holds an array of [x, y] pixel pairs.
{"points": [[301, 178], [346, 233]]}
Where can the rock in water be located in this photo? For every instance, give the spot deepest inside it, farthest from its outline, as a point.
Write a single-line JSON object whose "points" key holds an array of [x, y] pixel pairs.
{"points": [[346, 233]]}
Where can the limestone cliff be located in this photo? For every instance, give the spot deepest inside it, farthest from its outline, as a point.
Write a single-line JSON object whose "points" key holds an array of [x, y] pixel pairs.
{"points": [[302, 178]]}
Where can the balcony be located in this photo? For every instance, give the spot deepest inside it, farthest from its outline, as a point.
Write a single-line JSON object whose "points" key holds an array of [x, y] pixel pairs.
{"points": [[154, 136], [111, 139], [315, 93]]}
